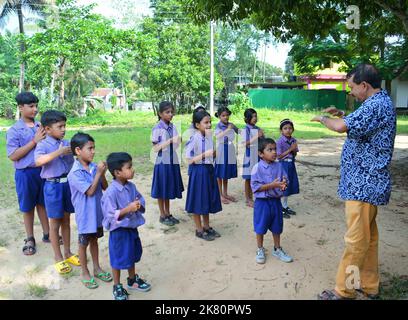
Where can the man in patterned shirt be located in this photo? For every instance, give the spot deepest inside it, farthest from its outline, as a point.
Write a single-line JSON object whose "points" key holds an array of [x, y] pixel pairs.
{"points": [[365, 181]]}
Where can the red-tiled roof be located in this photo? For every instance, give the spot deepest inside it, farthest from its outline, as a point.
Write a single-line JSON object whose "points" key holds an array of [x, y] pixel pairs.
{"points": [[101, 92]]}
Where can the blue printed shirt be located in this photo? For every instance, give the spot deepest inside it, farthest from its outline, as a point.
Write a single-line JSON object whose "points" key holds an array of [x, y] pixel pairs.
{"points": [[367, 152]]}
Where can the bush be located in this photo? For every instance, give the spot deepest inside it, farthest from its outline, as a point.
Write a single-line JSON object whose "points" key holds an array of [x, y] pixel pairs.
{"points": [[239, 101], [7, 104]]}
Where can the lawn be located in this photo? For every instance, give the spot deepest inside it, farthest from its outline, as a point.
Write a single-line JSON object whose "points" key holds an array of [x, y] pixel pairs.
{"points": [[130, 132]]}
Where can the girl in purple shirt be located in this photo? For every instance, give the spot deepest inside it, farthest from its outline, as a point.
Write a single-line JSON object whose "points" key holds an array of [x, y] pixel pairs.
{"points": [[250, 135], [287, 150], [226, 160], [167, 183], [203, 196]]}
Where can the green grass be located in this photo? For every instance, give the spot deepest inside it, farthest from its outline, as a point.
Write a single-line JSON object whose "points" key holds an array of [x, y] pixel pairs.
{"points": [[394, 288], [130, 132], [36, 290]]}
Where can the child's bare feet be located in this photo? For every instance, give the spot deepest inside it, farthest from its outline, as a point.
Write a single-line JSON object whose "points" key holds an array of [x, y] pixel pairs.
{"points": [[224, 200], [250, 203], [231, 198]]}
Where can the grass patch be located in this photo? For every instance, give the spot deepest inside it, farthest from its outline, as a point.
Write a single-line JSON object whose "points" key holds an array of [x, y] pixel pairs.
{"points": [[34, 270], [394, 288], [3, 242], [36, 290]]}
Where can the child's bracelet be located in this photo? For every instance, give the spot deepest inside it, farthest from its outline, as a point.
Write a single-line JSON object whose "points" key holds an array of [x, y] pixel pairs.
{"points": [[34, 141]]}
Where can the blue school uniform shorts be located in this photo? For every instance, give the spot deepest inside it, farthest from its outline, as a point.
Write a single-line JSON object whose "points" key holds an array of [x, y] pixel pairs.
{"points": [[268, 216], [57, 198], [30, 188], [125, 248]]}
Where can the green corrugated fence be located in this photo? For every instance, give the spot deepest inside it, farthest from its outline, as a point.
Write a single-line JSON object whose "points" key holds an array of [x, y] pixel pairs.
{"points": [[297, 99]]}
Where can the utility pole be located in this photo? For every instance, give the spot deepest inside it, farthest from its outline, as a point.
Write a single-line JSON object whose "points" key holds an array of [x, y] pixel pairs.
{"points": [[212, 67]]}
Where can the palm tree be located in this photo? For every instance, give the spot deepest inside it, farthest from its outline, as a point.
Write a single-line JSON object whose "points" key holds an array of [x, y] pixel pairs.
{"points": [[10, 7]]}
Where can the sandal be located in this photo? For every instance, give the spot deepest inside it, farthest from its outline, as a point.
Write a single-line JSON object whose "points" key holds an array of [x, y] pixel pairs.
{"points": [[225, 200], [204, 235], [104, 276], [212, 232], [62, 267], [29, 246], [74, 260], [331, 295], [250, 204], [90, 284]]}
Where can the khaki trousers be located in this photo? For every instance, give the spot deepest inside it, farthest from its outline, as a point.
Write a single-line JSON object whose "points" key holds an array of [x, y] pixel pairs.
{"points": [[358, 268]]}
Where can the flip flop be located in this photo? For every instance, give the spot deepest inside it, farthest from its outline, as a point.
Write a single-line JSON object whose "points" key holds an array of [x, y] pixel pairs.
{"points": [[29, 246], [90, 284], [62, 267], [104, 276], [74, 260]]}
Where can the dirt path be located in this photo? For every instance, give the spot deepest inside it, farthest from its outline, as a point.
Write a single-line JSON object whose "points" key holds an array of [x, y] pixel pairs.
{"points": [[180, 266]]}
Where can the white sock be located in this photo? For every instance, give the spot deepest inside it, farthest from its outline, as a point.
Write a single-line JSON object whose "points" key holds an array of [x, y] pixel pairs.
{"points": [[285, 202]]}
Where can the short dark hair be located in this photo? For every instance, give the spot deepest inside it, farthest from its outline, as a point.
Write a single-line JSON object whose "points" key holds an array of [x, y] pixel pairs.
{"points": [[198, 116], [221, 110], [26, 98], [263, 142], [116, 161], [50, 117], [284, 122], [163, 106], [366, 72], [79, 140], [248, 113]]}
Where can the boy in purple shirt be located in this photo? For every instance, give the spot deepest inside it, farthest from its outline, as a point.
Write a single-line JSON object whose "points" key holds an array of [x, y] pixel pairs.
{"points": [[122, 207], [22, 138], [268, 181], [54, 155], [86, 181]]}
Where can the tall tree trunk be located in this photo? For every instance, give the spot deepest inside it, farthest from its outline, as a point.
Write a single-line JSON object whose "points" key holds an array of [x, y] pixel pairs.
{"points": [[254, 74], [22, 50], [124, 97], [52, 86], [61, 98], [388, 86]]}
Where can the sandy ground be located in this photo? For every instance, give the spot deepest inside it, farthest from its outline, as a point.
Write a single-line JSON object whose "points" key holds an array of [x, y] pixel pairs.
{"points": [[181, 266]]}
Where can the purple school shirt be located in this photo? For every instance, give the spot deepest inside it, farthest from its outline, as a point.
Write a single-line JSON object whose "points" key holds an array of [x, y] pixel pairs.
{"points": [[264, 173], [117, 197], [199, 144], [60, 165], [88, 210], [229, 137], [18, 136], [162, 132], [283, 144]]}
